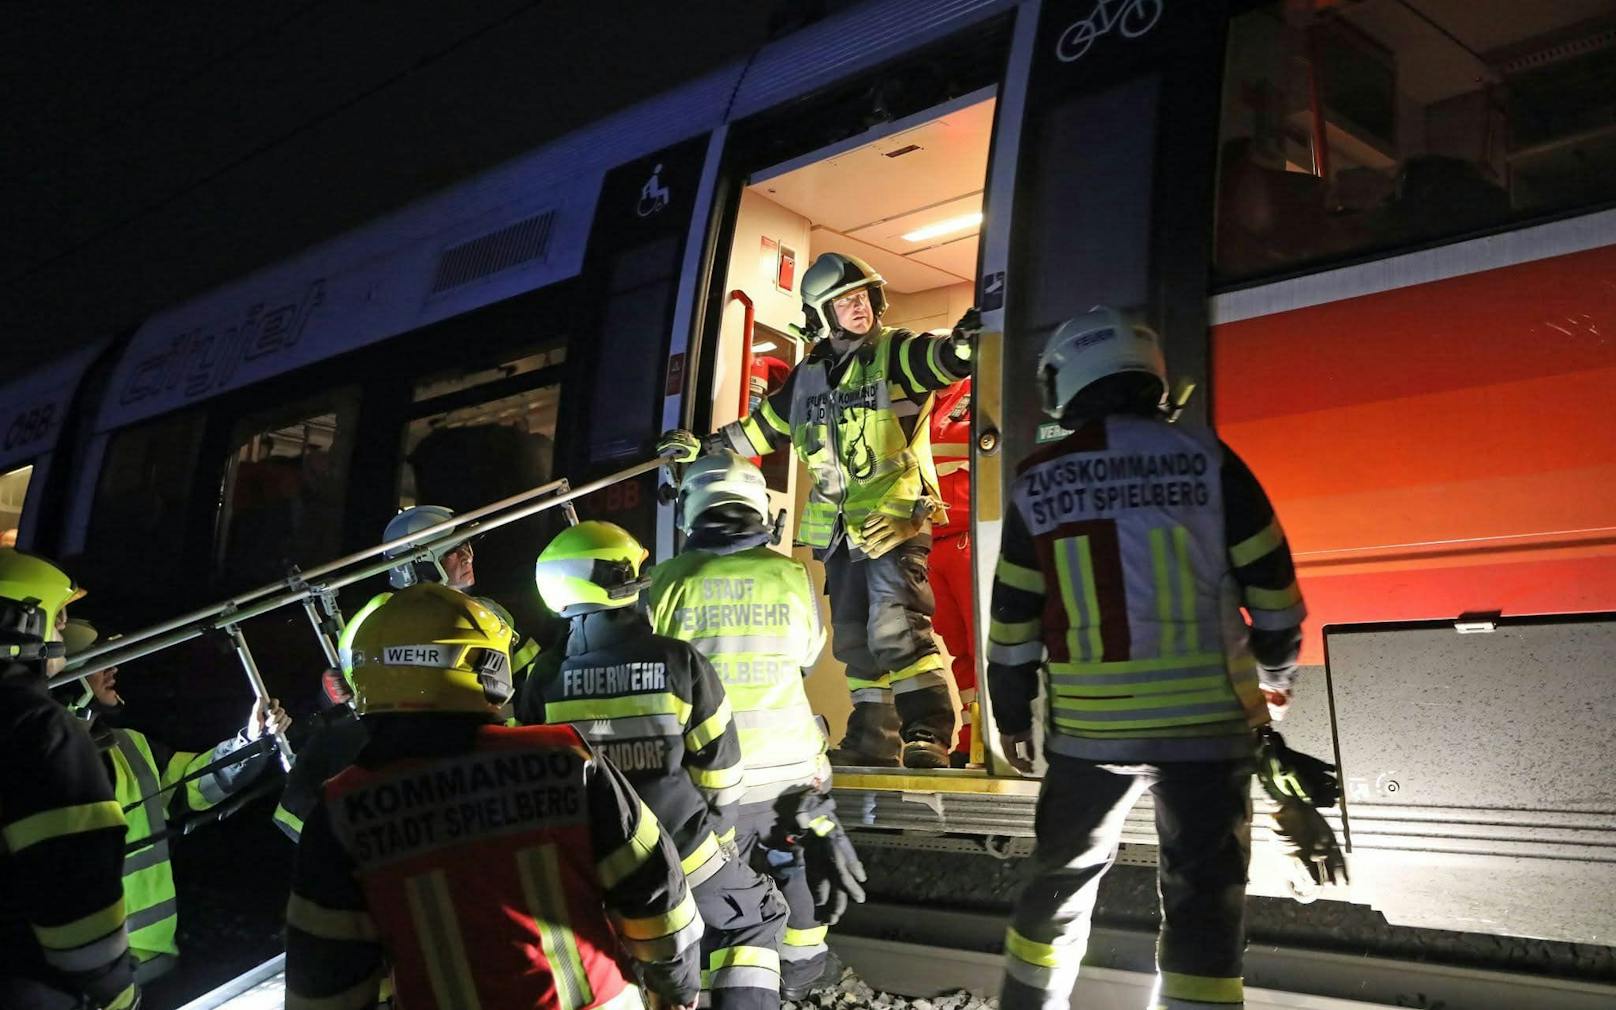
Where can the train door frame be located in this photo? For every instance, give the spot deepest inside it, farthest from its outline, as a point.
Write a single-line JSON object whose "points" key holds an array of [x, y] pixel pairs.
{"points": [[809, 129]]}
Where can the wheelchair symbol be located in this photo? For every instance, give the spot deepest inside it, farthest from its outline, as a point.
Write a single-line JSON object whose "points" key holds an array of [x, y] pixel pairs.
{"points": [[653, 195]]}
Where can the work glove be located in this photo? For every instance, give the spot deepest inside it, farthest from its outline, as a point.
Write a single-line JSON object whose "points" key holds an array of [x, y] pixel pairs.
{"points": [[679, 445], [1310, 841], [882, 532], [966, 331], [1288, 774], [834, 872]]}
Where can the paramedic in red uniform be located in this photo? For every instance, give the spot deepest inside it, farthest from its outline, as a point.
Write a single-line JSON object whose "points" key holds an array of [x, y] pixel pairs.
{"points": [[484, 865], [950, 561]]}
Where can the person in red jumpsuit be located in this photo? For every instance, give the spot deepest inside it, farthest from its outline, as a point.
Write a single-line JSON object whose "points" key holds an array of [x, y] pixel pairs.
{"points": [[950, 561]]}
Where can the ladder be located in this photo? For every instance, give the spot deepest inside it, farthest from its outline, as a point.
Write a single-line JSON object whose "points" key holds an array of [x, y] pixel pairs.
{"points": [[316, 590]]}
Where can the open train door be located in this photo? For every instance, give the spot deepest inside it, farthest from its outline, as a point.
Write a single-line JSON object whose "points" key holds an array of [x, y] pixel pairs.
{"points": [[1100, 192]]}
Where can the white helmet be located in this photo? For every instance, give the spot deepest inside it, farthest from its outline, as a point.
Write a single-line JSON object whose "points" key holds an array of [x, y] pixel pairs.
{"points": [[1087, 348], [723, 478], [413, 520]]}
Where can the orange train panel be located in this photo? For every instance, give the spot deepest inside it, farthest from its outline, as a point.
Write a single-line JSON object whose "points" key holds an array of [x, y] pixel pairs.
{"points": [[1438, 449]]}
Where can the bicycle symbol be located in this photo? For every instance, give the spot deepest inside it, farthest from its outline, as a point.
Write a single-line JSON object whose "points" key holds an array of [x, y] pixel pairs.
{"points": [[1132, 18]]}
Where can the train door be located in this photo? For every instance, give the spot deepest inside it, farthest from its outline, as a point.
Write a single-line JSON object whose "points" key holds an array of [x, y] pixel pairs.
{"points": [[1100, 194], [906, 197]]}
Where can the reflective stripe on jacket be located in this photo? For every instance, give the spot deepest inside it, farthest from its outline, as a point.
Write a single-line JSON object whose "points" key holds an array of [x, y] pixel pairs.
{"points": [[141, 771], [490, 867], [1123, 564], [755, 616], [860, 425]]}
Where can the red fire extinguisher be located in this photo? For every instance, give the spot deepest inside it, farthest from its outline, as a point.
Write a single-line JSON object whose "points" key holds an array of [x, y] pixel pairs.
{"points": [[768, 375]]}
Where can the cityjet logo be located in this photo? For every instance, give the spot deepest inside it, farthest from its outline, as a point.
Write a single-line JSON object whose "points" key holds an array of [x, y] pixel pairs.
{"points": [[1132, 18], [205, 359]]}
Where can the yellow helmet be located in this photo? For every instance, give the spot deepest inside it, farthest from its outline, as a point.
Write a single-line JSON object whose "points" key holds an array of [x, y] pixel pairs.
{"points": [[431, 649], [32, 592], [591, 566]]}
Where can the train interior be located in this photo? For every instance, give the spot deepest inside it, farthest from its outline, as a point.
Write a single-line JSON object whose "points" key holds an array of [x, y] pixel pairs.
{"points": [[13, 493], [906, 197]]}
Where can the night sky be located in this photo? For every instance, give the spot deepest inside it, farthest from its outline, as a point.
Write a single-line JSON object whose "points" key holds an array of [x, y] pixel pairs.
{"points": [[154, 151]]}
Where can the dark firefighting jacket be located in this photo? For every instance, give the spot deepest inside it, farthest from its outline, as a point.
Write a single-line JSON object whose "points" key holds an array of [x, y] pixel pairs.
{"points": [[655, 707], [487, 866], [61, 853]]}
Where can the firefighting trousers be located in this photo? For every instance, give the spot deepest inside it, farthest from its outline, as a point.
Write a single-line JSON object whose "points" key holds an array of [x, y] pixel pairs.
{"points": [[740, 959], [1203, 820], [950, 570], [764, 834], [880, 612]]}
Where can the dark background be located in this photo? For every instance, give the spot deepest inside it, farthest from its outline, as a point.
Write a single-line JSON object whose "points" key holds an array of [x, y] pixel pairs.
{"points": [[150, 152]]}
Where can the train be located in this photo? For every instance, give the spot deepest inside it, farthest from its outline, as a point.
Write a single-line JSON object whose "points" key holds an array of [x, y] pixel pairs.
{"points": [[1377, 237]]}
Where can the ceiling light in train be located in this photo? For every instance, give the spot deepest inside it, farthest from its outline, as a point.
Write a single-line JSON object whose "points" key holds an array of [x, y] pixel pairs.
{"points": [[946, 226]]}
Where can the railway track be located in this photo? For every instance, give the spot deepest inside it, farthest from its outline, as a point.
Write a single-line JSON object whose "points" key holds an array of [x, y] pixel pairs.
{"points": [[1277, 978]]}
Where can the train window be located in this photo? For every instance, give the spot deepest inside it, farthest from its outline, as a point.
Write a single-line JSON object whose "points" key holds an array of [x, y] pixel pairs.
{"points": [[280, 502], [142, 506], [906, 198], [1349, 128], [467, 455], [13, 492], [459, 381]]}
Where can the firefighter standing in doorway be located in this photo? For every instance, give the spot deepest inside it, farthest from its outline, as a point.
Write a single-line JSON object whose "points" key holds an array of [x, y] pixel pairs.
{"points": [[63, 941], [754, 614], [150, 780], [855, 410], [951, 556], [489, 866], [1127, 552], [656, 709]]}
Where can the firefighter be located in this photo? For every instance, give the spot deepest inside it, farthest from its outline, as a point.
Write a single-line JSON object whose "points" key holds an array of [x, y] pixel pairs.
{"points": [[762, 637], [655, 708], [454, 568], [488, 866], [63, 941], [855, 410], [150, 780], [337, 736], [950, 564], [1129, 547]]}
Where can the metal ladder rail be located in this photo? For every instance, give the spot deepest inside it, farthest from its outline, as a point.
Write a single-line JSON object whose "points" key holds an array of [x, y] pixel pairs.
{"points": [[299, 589]]}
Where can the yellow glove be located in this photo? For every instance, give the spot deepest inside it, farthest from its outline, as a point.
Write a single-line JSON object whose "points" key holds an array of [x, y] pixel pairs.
{"points": [[882, 532], [679, 445]]}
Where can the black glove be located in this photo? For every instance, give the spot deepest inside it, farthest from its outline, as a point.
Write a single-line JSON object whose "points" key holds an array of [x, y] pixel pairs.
{"points": [[966, 331], [1311, 842], [834, 872], [1288, 774]]}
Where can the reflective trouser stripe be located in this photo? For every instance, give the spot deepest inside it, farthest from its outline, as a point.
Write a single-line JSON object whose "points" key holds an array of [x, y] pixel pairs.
{"points": [[869, 693], [290, 821], [1047, 967], [1175, 991], [441, 946], [927, 671], [803, 944], [881, 682], [742, 968], [547, 902]]}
